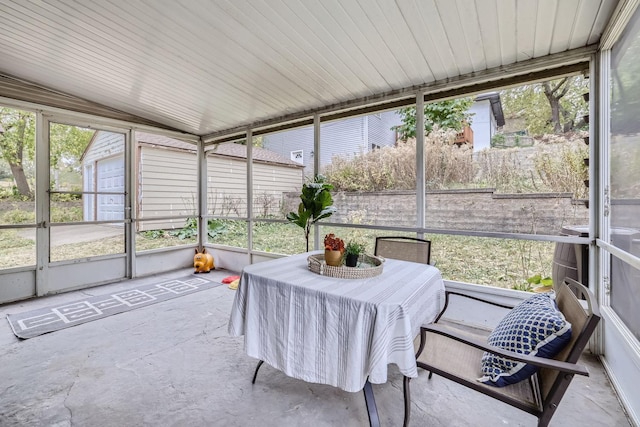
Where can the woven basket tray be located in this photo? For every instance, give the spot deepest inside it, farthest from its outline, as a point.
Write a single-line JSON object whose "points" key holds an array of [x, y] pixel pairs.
{"points": [[368, 266]]}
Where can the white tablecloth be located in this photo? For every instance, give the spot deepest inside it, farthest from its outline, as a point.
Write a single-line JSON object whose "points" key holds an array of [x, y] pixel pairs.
{"points": [[335, 331]]}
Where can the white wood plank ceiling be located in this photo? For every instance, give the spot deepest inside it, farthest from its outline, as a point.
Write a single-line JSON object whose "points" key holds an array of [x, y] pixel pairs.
{"points": [[203, 66]]}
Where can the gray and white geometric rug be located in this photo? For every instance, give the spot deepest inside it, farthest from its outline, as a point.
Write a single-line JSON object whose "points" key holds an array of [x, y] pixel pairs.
{"points": [[49, 319]]}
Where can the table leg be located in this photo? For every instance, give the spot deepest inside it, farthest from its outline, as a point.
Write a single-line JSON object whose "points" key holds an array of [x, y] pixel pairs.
{"points": [[407, 401], [255, 374], [372, 410]]}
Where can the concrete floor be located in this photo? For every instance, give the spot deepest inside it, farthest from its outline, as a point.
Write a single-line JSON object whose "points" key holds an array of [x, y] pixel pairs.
{"points": [[173, 364]]}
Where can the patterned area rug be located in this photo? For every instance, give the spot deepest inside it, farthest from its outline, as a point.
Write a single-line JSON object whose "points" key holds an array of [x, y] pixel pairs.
{"points": [[43, 320]]}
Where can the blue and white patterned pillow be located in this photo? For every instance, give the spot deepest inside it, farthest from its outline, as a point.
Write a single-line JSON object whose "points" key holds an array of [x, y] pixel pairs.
{"points": [[535, 327]]}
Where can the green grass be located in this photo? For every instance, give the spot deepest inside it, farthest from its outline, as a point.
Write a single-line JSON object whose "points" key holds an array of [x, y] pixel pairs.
{"points": [[106, 246], [487, 261], [150, 240], [15, 250], [503, 263]]}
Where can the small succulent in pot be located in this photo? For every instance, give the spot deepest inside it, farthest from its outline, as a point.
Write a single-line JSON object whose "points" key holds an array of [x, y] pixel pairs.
{"points": [[352, 253]]}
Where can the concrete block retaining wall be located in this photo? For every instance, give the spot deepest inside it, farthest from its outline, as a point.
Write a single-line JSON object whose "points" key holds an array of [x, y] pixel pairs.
{"points": [[476, 209]]}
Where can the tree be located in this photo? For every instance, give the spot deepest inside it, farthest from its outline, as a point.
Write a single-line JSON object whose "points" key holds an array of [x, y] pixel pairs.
{"points": [[450, 114], [17, 136], [67, 143], [257, 141], [17, 141], [553, 106]]}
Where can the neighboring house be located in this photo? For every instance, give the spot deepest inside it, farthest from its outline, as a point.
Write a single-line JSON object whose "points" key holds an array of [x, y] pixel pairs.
{"points": [[273, 175], [103, 171], [487, 117], [347, 137], [166, 179], [358, 135]]}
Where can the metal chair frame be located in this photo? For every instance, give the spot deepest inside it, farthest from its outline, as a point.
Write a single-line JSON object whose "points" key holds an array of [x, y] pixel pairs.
{"points": [[549, 384]]}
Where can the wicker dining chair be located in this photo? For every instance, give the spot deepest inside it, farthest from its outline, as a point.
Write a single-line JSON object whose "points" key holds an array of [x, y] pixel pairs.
{"points": [[404, 248], [456, 355]]}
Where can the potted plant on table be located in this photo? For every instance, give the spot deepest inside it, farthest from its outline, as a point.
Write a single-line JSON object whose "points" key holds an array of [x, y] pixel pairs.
{"points": [[333, 250], [352, 253], [316, 203]]}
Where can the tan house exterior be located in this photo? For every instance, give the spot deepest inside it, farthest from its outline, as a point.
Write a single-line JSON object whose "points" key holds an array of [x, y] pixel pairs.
{"points": [[166, 180], [273, 175]]}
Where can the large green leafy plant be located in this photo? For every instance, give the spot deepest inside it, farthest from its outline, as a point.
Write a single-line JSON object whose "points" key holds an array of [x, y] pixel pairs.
{"points": [[316, 203]]}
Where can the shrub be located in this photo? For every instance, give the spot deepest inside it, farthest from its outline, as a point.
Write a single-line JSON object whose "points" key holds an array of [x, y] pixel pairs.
{"points": [[447, 165], [58, 214], [66, 213], [264, 204], [394, 168], [66, 197], [5, 193], [498, 140], [154, 234], [11, 193], [190, 229], [17, 216], [563, 169], [555, 164], [502, 170]]}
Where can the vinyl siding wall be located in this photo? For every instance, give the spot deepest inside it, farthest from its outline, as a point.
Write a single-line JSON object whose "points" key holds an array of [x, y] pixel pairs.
{"points": [[481, 124], [167, 183], [269, 184], [284, 143], [227, 186], [346, 138], [105, 145], [380, 132], [167, 186]]}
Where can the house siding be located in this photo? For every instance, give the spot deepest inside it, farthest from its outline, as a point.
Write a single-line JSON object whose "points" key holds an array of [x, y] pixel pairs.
{"points": [[167, 186], [166, 182], [269, 184], [105, 145], [358, 135], [285, 142], [226, 186], [347, 138], [380, 132], [482, 123]]}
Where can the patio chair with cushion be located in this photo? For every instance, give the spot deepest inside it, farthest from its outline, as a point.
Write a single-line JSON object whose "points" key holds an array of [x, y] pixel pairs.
{"points": [[530, 374], [404, 248]]}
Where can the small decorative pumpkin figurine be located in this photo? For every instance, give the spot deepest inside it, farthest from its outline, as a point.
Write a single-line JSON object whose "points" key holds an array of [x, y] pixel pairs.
{"points": [[203, 261]]}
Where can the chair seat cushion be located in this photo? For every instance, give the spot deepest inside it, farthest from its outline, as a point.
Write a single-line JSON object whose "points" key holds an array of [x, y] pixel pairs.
{"points": [[535, 327]]}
